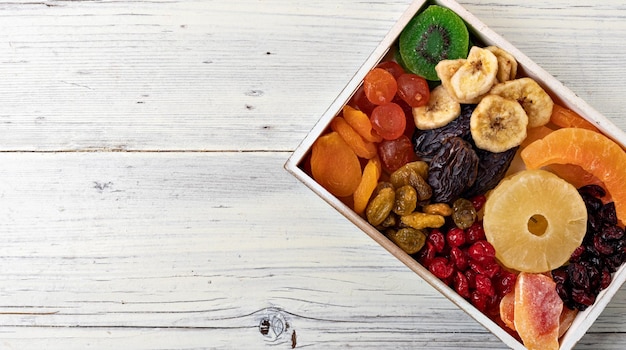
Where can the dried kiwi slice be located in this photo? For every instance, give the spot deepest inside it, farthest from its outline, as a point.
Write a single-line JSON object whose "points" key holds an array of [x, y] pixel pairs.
{"points": [[435, 34]]}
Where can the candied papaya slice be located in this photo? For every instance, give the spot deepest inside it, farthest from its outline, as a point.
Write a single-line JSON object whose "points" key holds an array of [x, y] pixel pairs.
{"points": [[334, 165], [361, 123], [592, 151], [566, 118], [537, 311], [362, 148], [369, 181]]}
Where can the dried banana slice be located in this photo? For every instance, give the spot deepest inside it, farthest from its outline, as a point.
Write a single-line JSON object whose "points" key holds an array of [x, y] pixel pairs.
{"points": [[498, 124], [445, 70], [533, 98], [477, 75], [439, 111], [507, 65]]}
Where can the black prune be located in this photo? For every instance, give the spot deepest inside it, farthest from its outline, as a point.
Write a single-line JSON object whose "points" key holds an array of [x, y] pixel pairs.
{"points": [[491, 169], [453, 169], [426, 143], [593, 190]]}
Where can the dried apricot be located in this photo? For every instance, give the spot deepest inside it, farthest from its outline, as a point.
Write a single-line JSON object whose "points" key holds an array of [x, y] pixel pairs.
{"points": [[361, 123], [334, 165], [362, 148], [369, 180]]}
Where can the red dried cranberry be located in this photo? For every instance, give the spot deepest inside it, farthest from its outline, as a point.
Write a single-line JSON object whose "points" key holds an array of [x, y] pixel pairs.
{"points": [[484, 285], [479, 300], [604, 247], [458, 257], [471, 278], [576, 255], [482, 251], [438, 240], [606, 278], [582, 297], [474, 233], [492, 269], [455, 237], [441, 268], [478, 202], [461, 284], [427, 254], [504, 283]]}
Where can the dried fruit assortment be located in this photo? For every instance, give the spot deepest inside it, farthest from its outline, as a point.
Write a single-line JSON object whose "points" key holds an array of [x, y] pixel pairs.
{"points": [[513, 201]]}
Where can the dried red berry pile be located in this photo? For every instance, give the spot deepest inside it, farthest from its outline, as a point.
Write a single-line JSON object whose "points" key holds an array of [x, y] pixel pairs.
{"points": [[465, 261], [603, 251]]}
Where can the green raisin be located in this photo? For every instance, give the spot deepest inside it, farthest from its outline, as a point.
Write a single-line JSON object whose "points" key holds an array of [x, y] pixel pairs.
{"points": [[463, 213]]}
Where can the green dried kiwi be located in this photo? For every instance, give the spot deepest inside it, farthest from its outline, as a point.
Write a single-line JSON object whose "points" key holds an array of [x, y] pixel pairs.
{"points": [[436, 34], [408, 239]]}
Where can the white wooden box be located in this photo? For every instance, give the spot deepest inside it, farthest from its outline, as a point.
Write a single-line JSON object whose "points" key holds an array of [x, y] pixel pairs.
{"points": [[556, 89]]}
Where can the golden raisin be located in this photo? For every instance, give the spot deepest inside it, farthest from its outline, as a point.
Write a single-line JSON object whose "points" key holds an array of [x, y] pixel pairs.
{"points": [[406, 200], [421, 221], [380, 206], [408, 239], [442, 209]]}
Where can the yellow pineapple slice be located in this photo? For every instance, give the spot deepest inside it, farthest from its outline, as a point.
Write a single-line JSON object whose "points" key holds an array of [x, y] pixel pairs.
{"points": [[534, 220]]}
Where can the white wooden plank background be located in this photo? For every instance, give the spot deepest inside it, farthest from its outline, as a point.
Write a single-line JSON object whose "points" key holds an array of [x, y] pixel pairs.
{"points": [[143, 203]]}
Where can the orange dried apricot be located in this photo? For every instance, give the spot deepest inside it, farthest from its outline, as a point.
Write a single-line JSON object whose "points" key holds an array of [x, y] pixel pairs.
{"points": [[369, 180], [334, 165], [362, 148], [566, 118], [361, 123]]}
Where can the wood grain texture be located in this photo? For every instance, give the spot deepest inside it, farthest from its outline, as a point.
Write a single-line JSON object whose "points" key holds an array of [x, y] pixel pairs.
{"points": [[143, 200]]}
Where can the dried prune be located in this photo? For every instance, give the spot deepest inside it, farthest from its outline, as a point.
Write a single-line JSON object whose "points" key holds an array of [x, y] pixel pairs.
{"points": [[491, 169], [427, 142], [453, 169]]}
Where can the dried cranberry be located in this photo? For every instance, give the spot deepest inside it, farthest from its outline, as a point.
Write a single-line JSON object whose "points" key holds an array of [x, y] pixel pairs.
{"points": [[471, 278], [479, 300], [427, 254], [474, 233], [455, 237], [504, 283], [441, 268], [603, 246], [478, 201], [458, 258], [577, 253], [484, 285], [608, 213], [482, 251], [438, 240], [583, 298], [559, 275], [491, 270], [578, 276], [592, 190], [461, 285], [606, 278]]}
